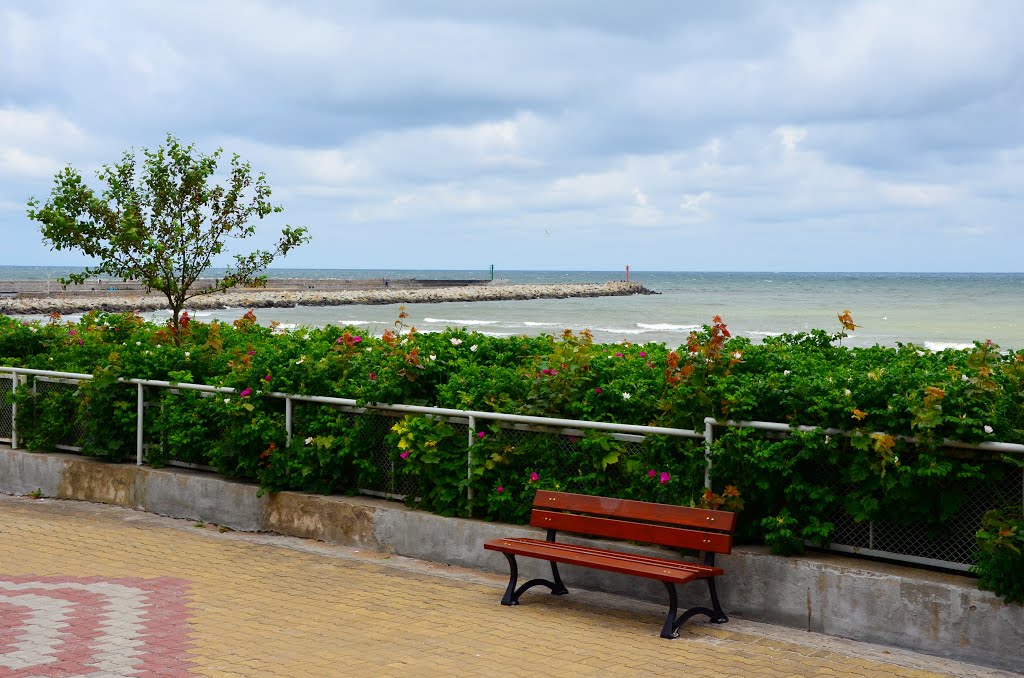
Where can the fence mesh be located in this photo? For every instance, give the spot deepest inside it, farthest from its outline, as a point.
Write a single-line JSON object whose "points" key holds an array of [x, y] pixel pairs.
{"points": [[951, 545], [74, 432], [388, 479], [6, 408]]}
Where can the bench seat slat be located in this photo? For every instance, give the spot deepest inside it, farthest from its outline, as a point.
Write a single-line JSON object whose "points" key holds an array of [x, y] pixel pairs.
{"points": [[611, 561], [701, 570], [623, 529], [683, 516]]}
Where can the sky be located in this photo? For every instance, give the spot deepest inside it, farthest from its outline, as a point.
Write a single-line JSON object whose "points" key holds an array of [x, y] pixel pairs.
{"points": [[568, 135]]}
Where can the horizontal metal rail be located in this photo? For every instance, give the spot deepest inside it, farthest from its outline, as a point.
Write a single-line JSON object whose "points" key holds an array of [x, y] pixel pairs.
{"points": [[779, 427]]}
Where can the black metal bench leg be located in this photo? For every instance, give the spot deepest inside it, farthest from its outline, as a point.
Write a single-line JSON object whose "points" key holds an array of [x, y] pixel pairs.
{"points": [[719, 615], [559, 588], [510, 597], [669, 630], [715, 615]]}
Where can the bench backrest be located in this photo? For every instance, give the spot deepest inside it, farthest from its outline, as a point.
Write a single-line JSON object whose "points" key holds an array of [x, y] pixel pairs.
{"points": [[664, 524]]}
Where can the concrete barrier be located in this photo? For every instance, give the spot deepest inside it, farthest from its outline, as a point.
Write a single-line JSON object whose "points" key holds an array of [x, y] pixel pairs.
{"points": [[930, 612]]}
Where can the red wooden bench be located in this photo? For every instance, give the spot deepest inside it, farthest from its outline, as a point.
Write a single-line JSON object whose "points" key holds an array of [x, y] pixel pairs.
{"points": [[677, 526]]}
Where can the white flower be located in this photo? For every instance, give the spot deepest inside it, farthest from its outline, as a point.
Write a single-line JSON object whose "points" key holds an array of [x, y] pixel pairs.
{"points": [[737, 355], [963, 377], [988, 429], [847, 391], [369, 348], [33, 329], [138, 343], [626, 396], [309, 440], [433, 357], [188, 354], [473, 348], [227, 400], [456, 341], [158, 345], [785, 373], [828, 439], [300, 360]]}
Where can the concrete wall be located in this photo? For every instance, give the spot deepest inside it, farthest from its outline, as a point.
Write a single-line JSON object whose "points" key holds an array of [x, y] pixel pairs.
{"points": [[941, 614]]}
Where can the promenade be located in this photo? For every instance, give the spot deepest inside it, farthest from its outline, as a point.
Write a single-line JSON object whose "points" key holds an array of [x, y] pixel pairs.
{"points": [[88, 589]]}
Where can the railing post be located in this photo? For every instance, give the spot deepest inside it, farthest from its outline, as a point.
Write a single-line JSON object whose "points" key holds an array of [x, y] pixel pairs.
{"points": [[709, 439], [140, 417], [288, 422], [469, 459], [15, 378]]}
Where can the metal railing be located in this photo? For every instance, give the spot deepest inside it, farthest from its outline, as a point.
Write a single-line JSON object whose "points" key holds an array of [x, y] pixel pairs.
{"points": [[869, 538]]}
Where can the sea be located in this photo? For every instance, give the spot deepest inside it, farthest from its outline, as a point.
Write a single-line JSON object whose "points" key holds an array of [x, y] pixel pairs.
{"points": [[931, 310]]}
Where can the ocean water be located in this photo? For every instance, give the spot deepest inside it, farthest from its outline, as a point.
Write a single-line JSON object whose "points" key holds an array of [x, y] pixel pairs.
{"points": [[932, 310]]}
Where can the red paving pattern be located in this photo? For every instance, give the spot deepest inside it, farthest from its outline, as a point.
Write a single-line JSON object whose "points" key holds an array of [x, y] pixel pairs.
{"points": [[54, 627]]}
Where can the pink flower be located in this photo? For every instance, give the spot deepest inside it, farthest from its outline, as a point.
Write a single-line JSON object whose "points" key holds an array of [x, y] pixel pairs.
{"points": [[356, 339], [252, 352], [652, 473], [618, 355], [266, 378], [79, 342], [71, 333], [665, 477], [534, 477], [373, 376], [403, 455], [245, 393], [481, 434], [650, 364], [642, 354], [500, 489], [339, 340], [597, 390]]}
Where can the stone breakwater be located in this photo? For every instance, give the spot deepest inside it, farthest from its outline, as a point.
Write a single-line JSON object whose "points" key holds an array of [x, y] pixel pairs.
{"points": [[72, 302]]}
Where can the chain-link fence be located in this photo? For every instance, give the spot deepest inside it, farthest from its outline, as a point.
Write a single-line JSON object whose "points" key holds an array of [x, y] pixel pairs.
{"points": [[951, 545], [6, 408], [621, 460], [65, 392]]}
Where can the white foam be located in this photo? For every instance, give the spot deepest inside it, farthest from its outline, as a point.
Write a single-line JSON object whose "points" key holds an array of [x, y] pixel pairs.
{"points": [[356, 323], [529, 323], [667, 326], [766, 334], [618, 330], [943, 345], [460, 322]]}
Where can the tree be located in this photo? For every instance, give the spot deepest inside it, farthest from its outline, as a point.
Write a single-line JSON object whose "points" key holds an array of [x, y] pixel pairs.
{"points": [[163, 226]]}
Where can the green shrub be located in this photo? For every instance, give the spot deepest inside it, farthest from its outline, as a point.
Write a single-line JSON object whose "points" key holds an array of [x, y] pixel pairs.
{"points": [[1001, 553]]}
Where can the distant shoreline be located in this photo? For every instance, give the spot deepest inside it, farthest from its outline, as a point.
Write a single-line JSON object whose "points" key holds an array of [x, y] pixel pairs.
{"points": [[308, 293]]}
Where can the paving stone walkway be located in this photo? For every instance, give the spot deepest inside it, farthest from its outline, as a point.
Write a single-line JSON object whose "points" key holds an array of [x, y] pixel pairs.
{"points": [[90, 590]]}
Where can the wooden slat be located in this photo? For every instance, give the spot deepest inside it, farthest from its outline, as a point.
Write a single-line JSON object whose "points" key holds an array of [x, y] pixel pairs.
{"points": [[608, 560], [684, 516], [701, 571], [633, 531]]}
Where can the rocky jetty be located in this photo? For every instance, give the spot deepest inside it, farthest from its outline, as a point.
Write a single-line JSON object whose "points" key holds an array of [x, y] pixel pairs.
{"points": [[116, 300]]}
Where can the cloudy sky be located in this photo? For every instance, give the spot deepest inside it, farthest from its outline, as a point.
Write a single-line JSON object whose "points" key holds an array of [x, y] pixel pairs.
{"points": [[575, 134]]}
